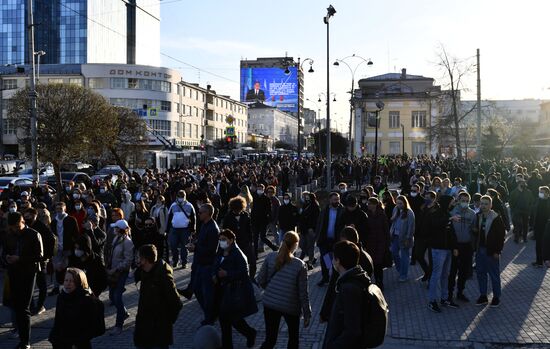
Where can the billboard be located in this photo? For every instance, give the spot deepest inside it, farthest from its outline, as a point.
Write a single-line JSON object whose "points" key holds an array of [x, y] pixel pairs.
{"points": [[271, 86]]}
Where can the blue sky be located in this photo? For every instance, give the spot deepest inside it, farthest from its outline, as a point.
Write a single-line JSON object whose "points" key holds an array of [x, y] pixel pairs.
{"points": [[395, 34]]}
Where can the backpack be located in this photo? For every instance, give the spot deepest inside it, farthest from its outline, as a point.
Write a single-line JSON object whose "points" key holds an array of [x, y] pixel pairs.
{"points": [[375, 317]]}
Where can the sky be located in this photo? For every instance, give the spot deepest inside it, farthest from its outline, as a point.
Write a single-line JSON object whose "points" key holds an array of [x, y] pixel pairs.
{"points": [[215, 35]]}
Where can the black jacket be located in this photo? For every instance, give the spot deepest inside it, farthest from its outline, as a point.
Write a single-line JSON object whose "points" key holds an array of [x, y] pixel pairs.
{"points": [[74, 322], [357, 218], [308, 218], [494, 236], [207, 243], [345, 328], [261, 211], [158, 307], [365, 262], [27, 244], [542, 214], [322, 227], [49, 239], [439, 229], [241, 228], [288, 217]]}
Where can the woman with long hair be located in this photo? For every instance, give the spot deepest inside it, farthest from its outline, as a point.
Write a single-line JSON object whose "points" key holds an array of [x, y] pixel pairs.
{"points": [[388, 202], [402, 232], [284, 279]]}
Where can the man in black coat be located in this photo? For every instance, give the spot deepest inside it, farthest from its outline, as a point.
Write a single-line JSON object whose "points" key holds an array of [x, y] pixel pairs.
{"points": [[354, 216], [345, 327], [260, 216], [329, 226], [542, 214], [49, 245], [22, 254], [159, 302]]}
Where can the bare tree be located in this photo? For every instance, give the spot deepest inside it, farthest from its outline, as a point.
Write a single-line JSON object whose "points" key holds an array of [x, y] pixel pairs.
{"points": [[72, 121], [454, 71]]}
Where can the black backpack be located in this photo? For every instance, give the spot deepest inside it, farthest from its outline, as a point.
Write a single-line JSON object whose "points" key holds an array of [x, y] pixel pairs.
{"points": [[375, 317]]}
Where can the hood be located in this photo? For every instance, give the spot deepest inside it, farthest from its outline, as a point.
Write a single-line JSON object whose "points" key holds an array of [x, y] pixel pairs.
{"points": [[356, 274]]}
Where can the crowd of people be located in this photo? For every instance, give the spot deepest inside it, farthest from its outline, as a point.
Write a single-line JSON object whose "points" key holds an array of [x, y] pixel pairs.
{"points": [[443, 214]]}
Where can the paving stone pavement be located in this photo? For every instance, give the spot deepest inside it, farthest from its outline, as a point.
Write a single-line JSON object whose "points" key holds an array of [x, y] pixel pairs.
{"points": [[522, 320]]}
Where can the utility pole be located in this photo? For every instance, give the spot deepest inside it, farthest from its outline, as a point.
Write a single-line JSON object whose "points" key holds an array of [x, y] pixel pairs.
{"points": [[478, 150], [330, 12], [32, 90]]}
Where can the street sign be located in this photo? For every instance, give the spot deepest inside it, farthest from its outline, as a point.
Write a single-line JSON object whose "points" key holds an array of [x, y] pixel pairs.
{"points": [[230, 131], [153, 112], [230, 119]]}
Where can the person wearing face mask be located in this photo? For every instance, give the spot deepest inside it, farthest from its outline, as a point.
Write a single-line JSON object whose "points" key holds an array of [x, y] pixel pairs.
{"points": [[91, 263], [97, 236], [181, 224], [288, 216], [416, 201], [238, 221], [106, 197], [542, 214], [261, 215], [464, 220], [66, 229], [422, 235], [22, 254], [521, 201], [307, 224], [353, 216], [364, 200], [127, 206], [402, 234], [12, 207], [234, 290], [159, 303], [118, 268], [78, 316], [343, 190], [49, 246], [329, 225], [79, 213], [284, 279]]}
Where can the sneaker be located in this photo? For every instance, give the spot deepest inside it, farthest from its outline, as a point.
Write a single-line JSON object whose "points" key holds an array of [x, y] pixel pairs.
{"points": [[115, 331], [39, 311], [495, 302], [482, 300], [449, 303], [251, 341], [461, 297], [433, 306]]}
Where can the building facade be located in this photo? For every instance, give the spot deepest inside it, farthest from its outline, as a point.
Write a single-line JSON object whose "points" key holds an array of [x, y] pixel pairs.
{"points": [[82, 31], [270, 121], [410, 109], [173, 109]]}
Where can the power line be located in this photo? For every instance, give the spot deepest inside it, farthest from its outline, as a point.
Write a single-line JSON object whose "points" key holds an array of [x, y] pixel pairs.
{"points": [[162, 53]]}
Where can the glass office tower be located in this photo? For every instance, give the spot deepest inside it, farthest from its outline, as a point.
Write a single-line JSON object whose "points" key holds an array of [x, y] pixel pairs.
{"points": [[82, 31]]}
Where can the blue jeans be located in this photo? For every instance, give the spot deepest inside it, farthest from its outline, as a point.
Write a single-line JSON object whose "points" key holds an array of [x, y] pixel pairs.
{"points": [[401, 257], [178, 238], [439, 280], [488, 265], [116, 295], [204, 291]]}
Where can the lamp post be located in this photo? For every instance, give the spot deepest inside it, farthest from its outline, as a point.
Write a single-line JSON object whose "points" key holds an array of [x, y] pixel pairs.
{"points": [[330, 12], [379, 108], [38, 54], [32, 91], [403, 140], [310, 70], [351, 100]]}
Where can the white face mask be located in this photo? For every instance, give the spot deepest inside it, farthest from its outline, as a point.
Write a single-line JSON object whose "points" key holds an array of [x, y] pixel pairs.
{"points": [[414, 194], [78, 253], [224, 244], [260, 192], [68, 188], [12, 209], [541, 195], [286, 201]]}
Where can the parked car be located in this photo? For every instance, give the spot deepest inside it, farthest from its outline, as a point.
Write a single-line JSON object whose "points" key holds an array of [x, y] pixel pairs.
{"points": [[20, 182], [43, 173], [78, 167], [212, 160], [112, 170], [77, 177], [226, 159]]}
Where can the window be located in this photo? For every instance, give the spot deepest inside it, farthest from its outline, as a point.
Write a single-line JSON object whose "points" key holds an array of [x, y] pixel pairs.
{"points": [[394, 119], [95, 83], [133, 83], [196, 131], [55, 81], [177, 108], [8, 126], [395, 148], [9, 84], [75, 81], [183, 129], [162, 127], [196, 95], [370, 147], [178, 89], [196, 111], [165, 106], [418, 119], [119, 83], [418, 148]]}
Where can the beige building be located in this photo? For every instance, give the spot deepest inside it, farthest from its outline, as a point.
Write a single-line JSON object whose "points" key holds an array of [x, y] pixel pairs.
{"points": [[411, 105]]}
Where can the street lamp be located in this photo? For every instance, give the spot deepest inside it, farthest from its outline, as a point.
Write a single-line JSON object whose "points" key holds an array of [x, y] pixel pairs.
{"points": [[379, 108], [351, 100], [330, 12], [38, 54]]}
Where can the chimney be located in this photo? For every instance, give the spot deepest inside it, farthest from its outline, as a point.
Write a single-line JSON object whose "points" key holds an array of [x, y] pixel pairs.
{"points": [[403, 73]]}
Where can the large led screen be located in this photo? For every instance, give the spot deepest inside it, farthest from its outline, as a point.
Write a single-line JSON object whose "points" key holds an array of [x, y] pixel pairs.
{"points": [[271, 86]]}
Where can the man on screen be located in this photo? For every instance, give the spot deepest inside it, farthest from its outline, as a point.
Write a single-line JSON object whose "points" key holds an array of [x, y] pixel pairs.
{"points": [[255, 94]]}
